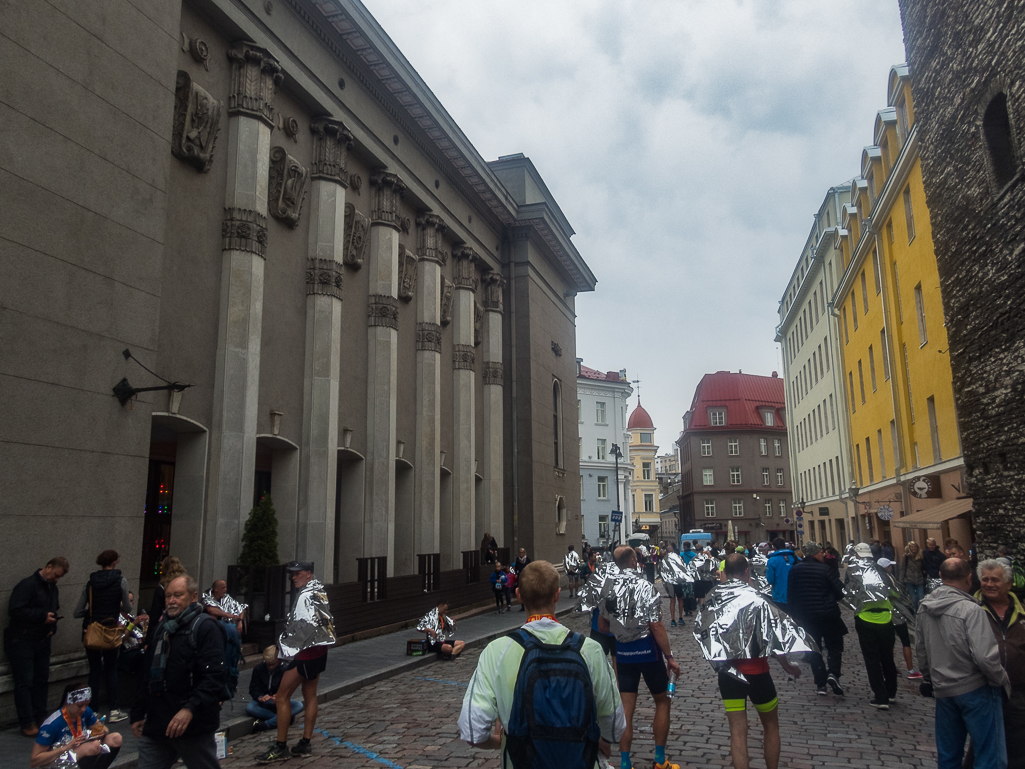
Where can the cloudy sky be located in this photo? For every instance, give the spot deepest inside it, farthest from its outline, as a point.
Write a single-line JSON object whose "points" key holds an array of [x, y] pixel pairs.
{"points": [[687, 141]]}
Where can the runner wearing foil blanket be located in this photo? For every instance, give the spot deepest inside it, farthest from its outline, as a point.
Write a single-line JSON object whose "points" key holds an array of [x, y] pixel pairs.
{"points": [[678, 580], [632, 609], [590, 595], [308, 635], [439, 628], [73, 737], [738, 629]]}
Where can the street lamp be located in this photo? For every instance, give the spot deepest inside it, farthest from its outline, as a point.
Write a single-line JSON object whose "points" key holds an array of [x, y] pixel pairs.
{"points": [[618, 454], [853, 492]]}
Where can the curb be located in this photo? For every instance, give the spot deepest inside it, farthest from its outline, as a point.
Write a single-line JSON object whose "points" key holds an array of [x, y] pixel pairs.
{"points": [[240, 726]]}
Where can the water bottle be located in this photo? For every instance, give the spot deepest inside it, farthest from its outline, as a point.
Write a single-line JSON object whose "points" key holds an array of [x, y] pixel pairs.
{"points": [[671, 691]]}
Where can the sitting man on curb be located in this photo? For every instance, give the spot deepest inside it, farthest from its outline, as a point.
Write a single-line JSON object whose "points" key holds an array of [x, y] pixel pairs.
{"points": [[439, 628], [263, 688], [542, 673]]}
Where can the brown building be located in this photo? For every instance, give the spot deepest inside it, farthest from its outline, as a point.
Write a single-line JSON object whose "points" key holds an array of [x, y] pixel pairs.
{"points": [[263, 201], [968, 60], [734, 459]]}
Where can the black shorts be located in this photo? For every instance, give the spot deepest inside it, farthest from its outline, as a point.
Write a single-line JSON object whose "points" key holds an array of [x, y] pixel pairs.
{"points": [[701, 588], [309, 669], [678, 591], [606, 642], [902, 634], [655, 676], [759, 688]]}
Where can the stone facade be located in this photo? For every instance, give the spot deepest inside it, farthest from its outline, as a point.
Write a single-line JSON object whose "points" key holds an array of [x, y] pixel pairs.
{"points": [[968, 62], [366, 311]]}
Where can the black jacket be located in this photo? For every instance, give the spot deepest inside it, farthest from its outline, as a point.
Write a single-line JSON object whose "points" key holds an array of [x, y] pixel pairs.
{"points": [[931, 560], [194, 679], [265, 681], [109, 597], [813, 590], [31, 600]]}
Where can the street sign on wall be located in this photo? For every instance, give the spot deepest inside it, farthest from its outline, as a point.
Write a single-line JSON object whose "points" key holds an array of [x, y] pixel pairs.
{"points": [[616, 516]]}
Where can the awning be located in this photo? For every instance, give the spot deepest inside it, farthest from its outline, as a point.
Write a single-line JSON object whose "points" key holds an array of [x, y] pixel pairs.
{"points": [[934, 517]]}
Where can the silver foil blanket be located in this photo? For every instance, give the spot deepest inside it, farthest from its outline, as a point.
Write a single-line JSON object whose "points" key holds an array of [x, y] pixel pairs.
{"points": [[630, 604], [590, 593], [758, 563], [310, 622], [738, 623], [673, 570], [867, 581], [442, 624], [226, 604], [705, 567]]}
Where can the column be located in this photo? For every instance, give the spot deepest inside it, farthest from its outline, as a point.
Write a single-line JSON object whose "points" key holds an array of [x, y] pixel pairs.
{"points": [[254, 75], [493, 414], [382, 341], [319, 455], [431, 257], [465, 281]]}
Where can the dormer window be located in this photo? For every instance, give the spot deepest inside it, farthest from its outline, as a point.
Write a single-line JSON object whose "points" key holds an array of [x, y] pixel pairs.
{"points": [[717, 417], [768, 417]]}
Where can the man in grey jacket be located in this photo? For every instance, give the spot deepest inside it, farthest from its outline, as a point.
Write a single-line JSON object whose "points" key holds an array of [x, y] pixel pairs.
{"points": [[960, 664]]}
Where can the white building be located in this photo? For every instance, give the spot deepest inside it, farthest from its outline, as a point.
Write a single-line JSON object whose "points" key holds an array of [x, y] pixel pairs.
{"points": [[809, 335], [601, 413]]}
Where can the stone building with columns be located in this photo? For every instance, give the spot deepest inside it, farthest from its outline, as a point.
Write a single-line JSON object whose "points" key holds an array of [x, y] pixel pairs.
{"points": [[347, 306]]}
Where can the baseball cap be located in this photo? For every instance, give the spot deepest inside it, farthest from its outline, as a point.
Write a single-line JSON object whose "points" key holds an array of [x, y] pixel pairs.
{"points": [[810, 548], [300, 566], [863, 550], [884, 562]]}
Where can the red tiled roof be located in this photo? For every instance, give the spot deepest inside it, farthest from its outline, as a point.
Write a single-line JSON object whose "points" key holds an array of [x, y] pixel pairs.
{"points": [[742, 395], [590, 373], [639, 419]]}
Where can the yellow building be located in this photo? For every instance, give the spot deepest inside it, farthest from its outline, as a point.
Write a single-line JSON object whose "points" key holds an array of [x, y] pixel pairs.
{"points": [[905, 447], [644, 486]]}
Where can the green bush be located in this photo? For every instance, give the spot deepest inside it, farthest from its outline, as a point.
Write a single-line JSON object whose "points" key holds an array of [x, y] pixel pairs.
{"points": [[259, 540]]}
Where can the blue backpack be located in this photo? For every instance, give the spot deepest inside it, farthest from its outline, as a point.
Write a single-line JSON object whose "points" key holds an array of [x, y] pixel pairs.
{"points": [[554, 720]]}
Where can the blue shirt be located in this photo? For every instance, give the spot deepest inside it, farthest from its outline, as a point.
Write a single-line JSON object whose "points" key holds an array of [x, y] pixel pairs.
{"points": [[638, 652], [55, 732], [688, 556]]}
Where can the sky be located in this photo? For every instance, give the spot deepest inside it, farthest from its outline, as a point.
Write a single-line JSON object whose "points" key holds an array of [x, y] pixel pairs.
{"points": [[688, 142]]}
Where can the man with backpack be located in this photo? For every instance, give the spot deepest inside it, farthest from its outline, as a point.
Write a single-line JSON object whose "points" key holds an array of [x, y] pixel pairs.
{"points": [[179, 707], [632, 608], [777, 571], [542, 673]]}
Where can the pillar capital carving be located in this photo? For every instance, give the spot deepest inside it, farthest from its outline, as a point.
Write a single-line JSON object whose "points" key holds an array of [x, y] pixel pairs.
{"points": [[324, 276], [428, 337], [494, 283], [197, 117], [388, 191], [244, 230], [494, 372], [463, 357], [287, 188], [254, 75], [430, 231], [464, 268], [383, 310], [331, 144]]}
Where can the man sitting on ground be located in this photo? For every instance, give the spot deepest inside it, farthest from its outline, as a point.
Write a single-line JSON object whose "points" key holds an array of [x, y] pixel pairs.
{"points": [[263, 688], [439, 628], [497, 693]]}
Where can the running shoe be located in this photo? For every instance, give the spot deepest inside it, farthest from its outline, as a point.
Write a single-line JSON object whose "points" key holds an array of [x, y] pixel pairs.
{"points": [[821, 690], [879, 705], [277, 752], [914, 674], [673, 623], [302, 749], [116, 715], [664, 765], [834, 684]]}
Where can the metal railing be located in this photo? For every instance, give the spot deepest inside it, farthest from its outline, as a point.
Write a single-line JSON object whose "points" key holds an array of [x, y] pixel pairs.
{"points": [[372, 575], [429, 569]]}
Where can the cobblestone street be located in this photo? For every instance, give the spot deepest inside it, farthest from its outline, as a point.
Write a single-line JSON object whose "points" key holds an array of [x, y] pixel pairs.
{"points": [[410, 722]]}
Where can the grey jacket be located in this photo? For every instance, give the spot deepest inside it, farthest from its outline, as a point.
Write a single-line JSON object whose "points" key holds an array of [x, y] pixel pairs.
{"points": [[912, 571], [956, 649]]}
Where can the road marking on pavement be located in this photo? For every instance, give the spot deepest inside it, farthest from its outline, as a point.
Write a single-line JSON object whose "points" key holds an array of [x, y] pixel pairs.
{"points": [[440, 681], [359, 749]]}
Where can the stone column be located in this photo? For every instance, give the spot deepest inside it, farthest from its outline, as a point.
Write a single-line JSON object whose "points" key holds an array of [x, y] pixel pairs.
{"points": [[494, 416], [382, 342], [319, 455], [254, 75], [464, 276], [426, 522]]}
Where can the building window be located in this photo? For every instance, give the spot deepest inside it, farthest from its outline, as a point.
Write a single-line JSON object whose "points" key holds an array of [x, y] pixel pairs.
{"points": [[875, 272], [872, 367], [777, 447], [779, 476], [868, 458], [645, 437], [769, 418], [861, 380], [896, 446], [996, 131], [909, 213], [645, 471], [782, 508], [580, 417], [733, 447], [717, 417], [763, 447], [923, 335], [907, 378], [603, 453], [708, 477], [768, 508], [706, 447], [903, 126], [934, 430], [734, 476], [846, 332], [885, 356], [850, 390], [603, 527], [649, 503], [599, 412], [738, 508], [603, 487], [854, 310], [557, 422], [882, 456], [765, 476], [864, 292], [709, 508], [857, 451]]}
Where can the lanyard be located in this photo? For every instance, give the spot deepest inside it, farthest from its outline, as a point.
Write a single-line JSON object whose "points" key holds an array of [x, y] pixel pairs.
{"points": [[71, 727], [535, 617]]}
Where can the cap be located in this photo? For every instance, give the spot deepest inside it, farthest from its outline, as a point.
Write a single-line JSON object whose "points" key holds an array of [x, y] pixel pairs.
{"points": [[300, 566], [810, 548], [740, 549], [884, 562], [863, 550]]}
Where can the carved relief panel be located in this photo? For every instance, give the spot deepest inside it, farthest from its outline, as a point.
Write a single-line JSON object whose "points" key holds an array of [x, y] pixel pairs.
{"points": [[197, 118], [287, 187], [355, 237], [493, 284], [447, 295], [407, 274], [478, 324]]}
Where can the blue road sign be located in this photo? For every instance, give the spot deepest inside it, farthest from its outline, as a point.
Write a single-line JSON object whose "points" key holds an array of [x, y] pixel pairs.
{"points": [[616, 516]]}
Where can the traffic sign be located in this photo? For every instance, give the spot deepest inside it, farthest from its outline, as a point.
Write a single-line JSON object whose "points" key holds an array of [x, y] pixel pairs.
{"points": [[786, 521], [800, 525], [616, 516], [799, 513]]}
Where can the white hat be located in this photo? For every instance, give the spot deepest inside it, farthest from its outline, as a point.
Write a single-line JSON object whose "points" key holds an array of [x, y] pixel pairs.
{"points": [[885, 562], [863, 550]]}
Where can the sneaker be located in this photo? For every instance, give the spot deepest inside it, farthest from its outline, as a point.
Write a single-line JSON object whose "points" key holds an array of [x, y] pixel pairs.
{"points": [[664, 765], [302, 748], [673, 623], [914, 674], [893, 698], [277, 752], [30, 731], [834, 684], [116, 715], [879, 705], [821, 690]]}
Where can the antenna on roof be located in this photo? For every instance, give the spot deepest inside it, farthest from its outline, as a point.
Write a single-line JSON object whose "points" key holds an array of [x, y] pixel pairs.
{"points": [[638, 383]]}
